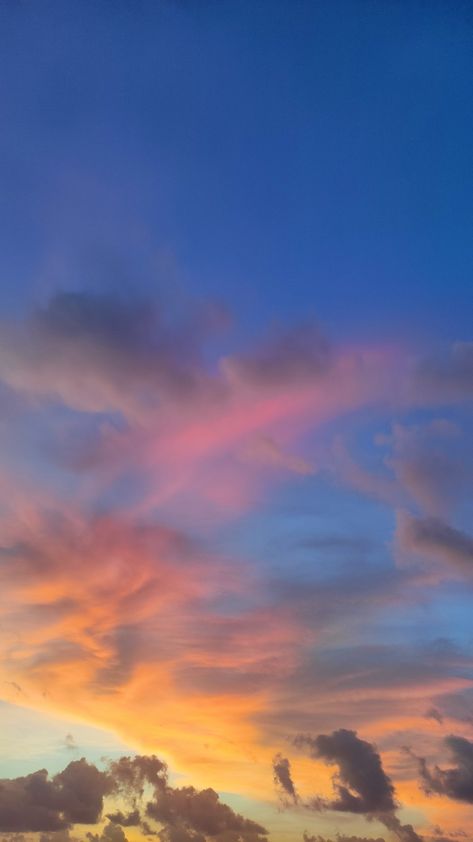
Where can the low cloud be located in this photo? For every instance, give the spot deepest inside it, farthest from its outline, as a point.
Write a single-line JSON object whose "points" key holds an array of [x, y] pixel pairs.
{"points": [[360, 771], [283, 778], [307, 837], [37, 802], [76, 796], [361, 785], [455, 782]]}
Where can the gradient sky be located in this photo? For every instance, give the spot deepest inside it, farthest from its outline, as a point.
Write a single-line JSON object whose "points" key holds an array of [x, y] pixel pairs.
{"points": [[236, 380]]}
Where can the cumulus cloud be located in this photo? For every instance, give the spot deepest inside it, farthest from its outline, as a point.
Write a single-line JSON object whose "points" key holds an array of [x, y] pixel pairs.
{"points": [[183, 812], [361, 784], [131, 774], [110, 833], [455, 782], [76, 796], [201, 812], [130, 819], [37, 802], [360, 771]]}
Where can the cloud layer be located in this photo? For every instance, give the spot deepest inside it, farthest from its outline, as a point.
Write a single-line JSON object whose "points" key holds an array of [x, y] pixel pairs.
{"points": [[234, 545]]}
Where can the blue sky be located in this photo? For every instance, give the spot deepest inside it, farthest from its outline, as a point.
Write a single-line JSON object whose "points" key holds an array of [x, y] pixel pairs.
{"points": [[280, 155]]}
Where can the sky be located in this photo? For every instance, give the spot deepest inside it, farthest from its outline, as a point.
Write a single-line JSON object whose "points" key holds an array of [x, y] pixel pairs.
{"points": [[236, 381]]}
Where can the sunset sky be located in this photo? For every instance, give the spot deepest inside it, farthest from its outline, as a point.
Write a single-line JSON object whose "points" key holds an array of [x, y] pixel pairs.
{"points": [[236, 382]]}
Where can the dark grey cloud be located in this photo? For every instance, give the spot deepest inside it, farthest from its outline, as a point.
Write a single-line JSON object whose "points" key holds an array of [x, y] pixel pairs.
{"points": [[132, 774], [179, 834], [283, 778], [130, 819], [36, 802], [455, 782], [360, 783], [202, 812], [76, 796], [110, 833]]}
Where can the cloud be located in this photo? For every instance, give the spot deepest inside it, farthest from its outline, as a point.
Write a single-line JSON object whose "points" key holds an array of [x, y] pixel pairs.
{"points": [[39, 803], [111, 833], [282, 776], [361, 784], [432, 538], [70, 743], [131, 774], [130, 819], [184, 812], [202, 812], [434, 713], [179, 421], [449, 377], [76, 796], [106, 607], [360, 771], [266, 451], [428, 465], [98, 352], [431, 463], [293, 356], [307, 837], [455, 782]]}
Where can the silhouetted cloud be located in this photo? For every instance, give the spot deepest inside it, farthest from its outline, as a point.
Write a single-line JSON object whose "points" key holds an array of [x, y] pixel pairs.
{"points": [[130, 819], [307, 837], [359, 770], [110, 833], [361, 784], [36, 802], [76, 796], [202, 813], [455, 782], [282, 776]]}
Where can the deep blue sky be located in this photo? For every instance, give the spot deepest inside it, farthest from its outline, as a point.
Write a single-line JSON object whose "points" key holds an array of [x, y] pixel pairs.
{"points": [[279, 156]]}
